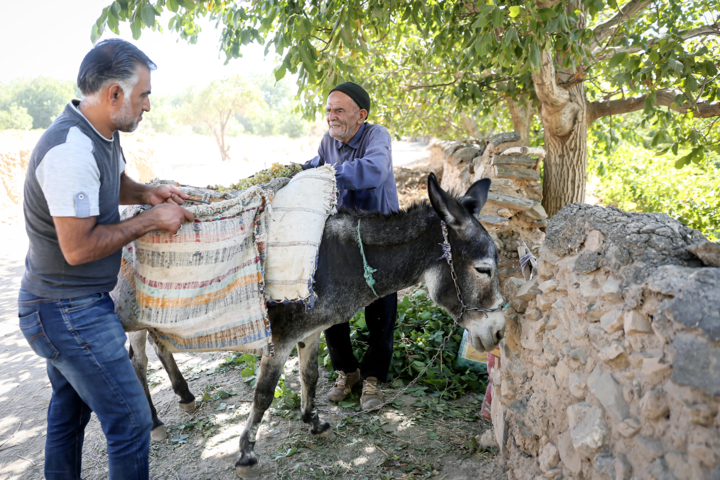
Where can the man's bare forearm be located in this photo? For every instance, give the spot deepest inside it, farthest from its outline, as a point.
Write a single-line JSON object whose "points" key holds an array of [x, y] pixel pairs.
{"points": [[80, 245]]}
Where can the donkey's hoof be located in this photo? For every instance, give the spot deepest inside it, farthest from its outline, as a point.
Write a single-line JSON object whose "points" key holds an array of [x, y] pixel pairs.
{"points": [[247, 472], [158, 433], [189, 407]]}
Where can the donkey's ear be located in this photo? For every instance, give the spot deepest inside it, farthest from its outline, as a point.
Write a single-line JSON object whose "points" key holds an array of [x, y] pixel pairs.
{"points": [[447, 207], [476, 196]]}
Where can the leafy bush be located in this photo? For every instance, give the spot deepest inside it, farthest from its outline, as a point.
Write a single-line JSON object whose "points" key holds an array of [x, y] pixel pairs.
{"points": [[43, 98], [421, 327], [637, 180], [15, 117]]}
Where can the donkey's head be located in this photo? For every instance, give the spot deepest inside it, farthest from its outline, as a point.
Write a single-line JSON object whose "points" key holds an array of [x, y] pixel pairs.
{"points": [[475, 259]]}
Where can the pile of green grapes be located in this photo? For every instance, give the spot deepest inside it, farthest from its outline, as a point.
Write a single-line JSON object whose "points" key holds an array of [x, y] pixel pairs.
{"points": [[264, 176]]}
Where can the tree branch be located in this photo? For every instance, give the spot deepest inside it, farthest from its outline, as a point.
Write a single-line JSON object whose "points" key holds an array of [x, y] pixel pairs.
{"points": [[546, 87], [705, 30], [604, 30], [663, 97]]}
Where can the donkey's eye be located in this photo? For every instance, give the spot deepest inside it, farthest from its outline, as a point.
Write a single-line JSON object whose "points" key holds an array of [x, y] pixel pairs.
{"points": [[484, 271]]}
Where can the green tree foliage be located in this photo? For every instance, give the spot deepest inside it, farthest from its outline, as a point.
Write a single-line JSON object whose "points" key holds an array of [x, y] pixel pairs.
{"points": [[42, 98], [426, 61], [216, 105], [635, 179]]}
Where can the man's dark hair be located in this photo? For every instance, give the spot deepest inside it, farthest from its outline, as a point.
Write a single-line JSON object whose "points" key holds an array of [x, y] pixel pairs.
{"points": [[110, 60]]}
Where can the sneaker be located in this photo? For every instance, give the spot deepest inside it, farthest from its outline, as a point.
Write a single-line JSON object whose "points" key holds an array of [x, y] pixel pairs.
{"points": [[371, 394], [343, 385]]}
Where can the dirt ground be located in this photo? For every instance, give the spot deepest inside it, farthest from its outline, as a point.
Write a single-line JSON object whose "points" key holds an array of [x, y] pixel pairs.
{"points": [[420, 438]]}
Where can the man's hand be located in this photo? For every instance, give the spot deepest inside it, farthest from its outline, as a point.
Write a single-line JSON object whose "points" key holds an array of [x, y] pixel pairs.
{"points": [[83, 240], [166, 194], [168, 217]]}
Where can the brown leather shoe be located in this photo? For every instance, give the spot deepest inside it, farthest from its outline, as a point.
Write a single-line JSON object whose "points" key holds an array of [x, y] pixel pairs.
{"points": [[343, 385], [371, 394]]}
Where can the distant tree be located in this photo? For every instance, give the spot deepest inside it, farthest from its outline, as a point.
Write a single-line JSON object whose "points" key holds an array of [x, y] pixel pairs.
{"points": [[277, 114], [217, 104], [44, 98], [15, 117]]}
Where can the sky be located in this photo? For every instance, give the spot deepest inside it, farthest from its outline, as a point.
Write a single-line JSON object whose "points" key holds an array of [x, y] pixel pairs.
{"points": [[51, 37]]}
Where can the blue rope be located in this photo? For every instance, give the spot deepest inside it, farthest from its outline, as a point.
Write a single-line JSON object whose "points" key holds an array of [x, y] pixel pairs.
{"points": [[367, 268]]}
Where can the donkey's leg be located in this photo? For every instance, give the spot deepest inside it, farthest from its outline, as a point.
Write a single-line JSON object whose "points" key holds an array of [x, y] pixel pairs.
{"points": [[270, 370], [308, 353], [140, 361], [179, 384]]}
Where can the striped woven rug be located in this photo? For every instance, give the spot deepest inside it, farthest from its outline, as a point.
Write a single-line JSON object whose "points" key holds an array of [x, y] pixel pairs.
{"points": [[202, 290]]}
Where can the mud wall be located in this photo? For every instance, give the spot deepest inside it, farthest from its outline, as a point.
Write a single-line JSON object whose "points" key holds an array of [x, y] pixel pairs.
{"points": [[611, 362]]}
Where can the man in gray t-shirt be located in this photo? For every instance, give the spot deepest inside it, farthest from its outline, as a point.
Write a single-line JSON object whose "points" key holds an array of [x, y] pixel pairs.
{"points": [[74, 185]]}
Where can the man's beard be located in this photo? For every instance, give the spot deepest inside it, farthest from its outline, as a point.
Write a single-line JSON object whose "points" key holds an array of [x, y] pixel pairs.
{"points": [[124, 120], [339, 135]]}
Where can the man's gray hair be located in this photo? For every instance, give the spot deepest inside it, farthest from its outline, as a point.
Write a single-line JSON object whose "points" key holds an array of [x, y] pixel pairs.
{"points": [[111, 61]]}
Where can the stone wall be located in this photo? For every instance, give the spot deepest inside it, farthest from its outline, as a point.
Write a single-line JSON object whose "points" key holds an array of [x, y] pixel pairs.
{"points": [[513, 212], [611, 361]]}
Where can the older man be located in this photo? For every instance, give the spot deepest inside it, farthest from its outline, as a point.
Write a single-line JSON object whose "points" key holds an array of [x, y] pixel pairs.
{"points": [[362, 156], [75, 182]]}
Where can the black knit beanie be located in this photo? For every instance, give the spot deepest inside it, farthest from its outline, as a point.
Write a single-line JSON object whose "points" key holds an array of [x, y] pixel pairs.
{"points": [[356, 92]]}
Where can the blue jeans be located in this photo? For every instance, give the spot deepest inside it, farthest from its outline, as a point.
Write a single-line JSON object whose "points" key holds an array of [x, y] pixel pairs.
{"points": [[83, 343]]}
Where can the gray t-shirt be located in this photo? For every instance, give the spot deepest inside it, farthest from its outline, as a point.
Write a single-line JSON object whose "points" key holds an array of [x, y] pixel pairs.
{"points": [[73, 172]]}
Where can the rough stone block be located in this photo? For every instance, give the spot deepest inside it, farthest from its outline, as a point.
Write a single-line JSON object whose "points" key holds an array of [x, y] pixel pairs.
{"points": [[701, 414], [604, 464], [611, 291], [623, 468], [655, 370], [504, 212], [522, 160], [654, 405], [549, 457], [635, 322], [528, 291], [612, 321], [548, 286], [697, 363], [594, 241], [519, 173], [464, 155], [649, 449], [510, 201], [568, 455], [587, 262], [629, 427], [612, 352], [708, 252], [537, 212], [660, 471], [493, 219], [530, 337], [543, 303], [576, 385], [609, 392], [588, 429], [704, 444]]}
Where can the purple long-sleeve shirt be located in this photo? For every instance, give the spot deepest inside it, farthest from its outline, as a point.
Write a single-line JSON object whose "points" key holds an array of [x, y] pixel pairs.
{"points": [[364, 170]]}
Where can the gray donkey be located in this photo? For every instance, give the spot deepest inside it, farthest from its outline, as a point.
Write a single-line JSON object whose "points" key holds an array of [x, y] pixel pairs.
{"points": [[405, 248]]}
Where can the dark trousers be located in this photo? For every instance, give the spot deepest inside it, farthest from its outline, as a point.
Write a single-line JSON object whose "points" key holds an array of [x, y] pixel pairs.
{"points": [[380, 317]]}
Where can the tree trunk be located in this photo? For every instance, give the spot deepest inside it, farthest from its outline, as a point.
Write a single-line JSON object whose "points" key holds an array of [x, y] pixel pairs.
{"points": [[522, 120], [565, 171], [564, 116]]}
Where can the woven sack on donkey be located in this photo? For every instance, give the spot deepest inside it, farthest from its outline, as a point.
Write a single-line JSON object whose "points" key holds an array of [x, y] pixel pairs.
{"points": [[202, 290], [300, 210]]}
